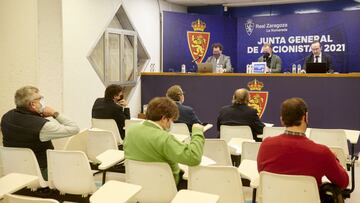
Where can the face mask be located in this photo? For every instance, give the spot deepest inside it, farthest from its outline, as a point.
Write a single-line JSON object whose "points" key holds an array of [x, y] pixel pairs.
{"points": [[266, 55], [42, 105]]}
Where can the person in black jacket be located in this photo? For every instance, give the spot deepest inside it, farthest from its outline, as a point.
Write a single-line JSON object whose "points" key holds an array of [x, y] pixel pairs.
{"points": [[239, 113], [317, 56], [186, 113], [112, 106]]}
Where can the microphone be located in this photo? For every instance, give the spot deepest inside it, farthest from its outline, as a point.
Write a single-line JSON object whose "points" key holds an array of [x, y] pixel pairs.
{"points": [[195, 59]]}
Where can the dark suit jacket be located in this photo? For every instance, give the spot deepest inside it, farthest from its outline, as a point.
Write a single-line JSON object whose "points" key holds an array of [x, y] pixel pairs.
{"points": [[108, 109], [324, 59], [186, 115], [240, 114]]}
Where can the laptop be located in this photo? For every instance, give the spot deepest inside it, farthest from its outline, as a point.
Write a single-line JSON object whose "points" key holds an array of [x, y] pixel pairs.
{"points": [[316, 68], [204, 67]]}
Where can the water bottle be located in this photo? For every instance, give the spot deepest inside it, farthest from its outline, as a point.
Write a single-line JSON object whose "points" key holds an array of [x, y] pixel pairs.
{"points": [[299, 68], [293, 68], [248, 68], [183, 68]]}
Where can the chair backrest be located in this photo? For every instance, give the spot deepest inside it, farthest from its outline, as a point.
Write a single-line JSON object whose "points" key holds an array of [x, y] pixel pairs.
{"points": [[179, 128], [224, 181], [272, 131], [287, 188], [77, 142], [130, 122], [250, 150], [8, 198], [156, 179], [21, 160], [330, 138], [107, 124], [194, 196], [98, 142], [69, 172], [217, 150], [227, 132]]}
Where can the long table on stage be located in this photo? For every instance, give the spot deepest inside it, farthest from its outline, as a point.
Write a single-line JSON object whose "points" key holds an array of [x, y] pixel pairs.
{"points": [[333, 99]]}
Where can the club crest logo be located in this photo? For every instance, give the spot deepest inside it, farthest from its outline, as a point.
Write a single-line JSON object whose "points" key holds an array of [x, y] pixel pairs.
{"points": [[249, 26], [198, 40], [258, 99]]}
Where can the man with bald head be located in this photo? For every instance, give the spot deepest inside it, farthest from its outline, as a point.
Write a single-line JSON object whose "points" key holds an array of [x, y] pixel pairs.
{"points": [[317, 56], [239, 113]]}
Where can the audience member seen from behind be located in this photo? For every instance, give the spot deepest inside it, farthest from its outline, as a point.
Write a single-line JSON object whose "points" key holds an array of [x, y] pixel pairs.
{"points": [[317, 56], [112, 106], [151, 141], [27, 125], [239, 113], [219, 60], [273, 61], [292, 153], [186, 113]]}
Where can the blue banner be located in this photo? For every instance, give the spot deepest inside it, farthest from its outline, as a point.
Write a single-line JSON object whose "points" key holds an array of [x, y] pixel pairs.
{"points": [[176, 46], [290, 35]]}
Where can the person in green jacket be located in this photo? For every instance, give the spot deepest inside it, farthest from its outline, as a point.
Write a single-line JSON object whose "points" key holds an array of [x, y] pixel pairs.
{"points": [[151, 141]]}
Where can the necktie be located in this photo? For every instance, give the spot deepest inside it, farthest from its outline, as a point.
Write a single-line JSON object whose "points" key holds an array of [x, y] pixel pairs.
{"points": [[316, 59]]}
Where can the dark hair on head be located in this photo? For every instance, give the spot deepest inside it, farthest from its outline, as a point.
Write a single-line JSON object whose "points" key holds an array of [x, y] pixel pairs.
{"points": [[112, 90], [174, 92], [316, 41], [160, 107], [292, 111], [217, 45]]}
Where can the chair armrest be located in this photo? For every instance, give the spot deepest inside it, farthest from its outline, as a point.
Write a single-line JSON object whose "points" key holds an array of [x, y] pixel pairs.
{"points": [[110, 158]]}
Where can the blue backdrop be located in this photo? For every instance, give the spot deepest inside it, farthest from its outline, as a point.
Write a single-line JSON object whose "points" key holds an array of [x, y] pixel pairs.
{"points": [[290, 35]]}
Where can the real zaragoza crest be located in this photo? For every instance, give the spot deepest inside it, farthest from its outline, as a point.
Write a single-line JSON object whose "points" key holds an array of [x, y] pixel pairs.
{"points": [[198, 40], [249, 26], [258, 99]]}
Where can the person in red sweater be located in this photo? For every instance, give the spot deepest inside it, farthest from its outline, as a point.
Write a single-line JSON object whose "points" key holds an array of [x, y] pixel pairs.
{"points": [[292, 153]]}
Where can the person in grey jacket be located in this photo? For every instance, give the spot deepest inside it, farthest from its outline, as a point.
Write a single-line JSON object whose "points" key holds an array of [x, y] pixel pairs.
{"points": [[273, 61], [219, 60]]}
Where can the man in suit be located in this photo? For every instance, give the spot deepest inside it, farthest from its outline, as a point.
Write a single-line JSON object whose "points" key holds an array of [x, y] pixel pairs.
{"points": [[273, 61], [219, 60], [186, 113], [239, 113], [112, 106], [318, 57]]}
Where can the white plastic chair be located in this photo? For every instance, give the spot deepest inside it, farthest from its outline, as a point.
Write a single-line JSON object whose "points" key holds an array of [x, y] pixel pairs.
{"points": [[330, 138], [98, 142], [227, 132], [21, 160], [130, 122], [156, 179], [69, 172], [8, 198], [179, 128], [107, 124], [220, 180], [287, 188], [77, 142], [340, 155], [272, 131], [250, 150], [218, 151]]}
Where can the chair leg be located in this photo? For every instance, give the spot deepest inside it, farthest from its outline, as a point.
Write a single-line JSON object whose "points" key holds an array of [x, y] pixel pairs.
{"points": [[254, 196], [104, 177]]}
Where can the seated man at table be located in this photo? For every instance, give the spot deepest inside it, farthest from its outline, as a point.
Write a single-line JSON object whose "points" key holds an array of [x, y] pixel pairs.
{"points": [[112, 106], [186, 113], [292, 153], [239, 113], [219, 60], [273, 61], [317, 56], [151, 141], [27, 125]]}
